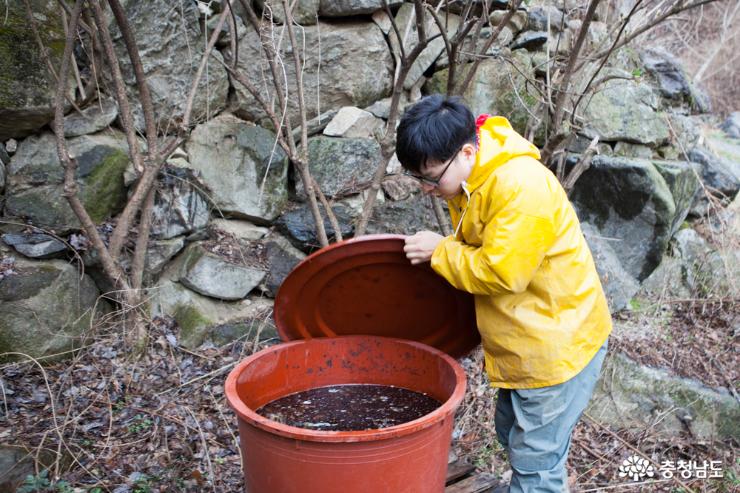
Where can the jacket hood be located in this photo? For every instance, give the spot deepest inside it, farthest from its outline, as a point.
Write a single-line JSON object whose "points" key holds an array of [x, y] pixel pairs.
{"points": [[498, 143]]}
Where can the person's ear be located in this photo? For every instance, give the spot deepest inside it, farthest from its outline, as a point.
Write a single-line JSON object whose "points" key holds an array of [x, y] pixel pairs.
{"points": [[469, 150]]}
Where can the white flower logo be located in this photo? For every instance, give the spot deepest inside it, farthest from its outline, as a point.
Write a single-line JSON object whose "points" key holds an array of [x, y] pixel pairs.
{"points": [[636, 468]]}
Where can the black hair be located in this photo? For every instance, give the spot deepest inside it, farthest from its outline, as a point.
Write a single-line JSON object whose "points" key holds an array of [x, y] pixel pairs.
{"points": [[435, 128]]}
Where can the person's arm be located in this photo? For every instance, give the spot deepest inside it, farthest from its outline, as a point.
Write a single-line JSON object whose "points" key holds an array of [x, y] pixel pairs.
{"points": [[514, 245]]}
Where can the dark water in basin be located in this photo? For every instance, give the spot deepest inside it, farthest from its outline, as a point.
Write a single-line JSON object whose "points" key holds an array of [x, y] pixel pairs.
{"points": [[349, 407]]}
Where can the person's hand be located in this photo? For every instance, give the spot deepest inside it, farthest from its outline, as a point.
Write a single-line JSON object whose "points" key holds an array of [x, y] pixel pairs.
{"points": [[420, 247]]}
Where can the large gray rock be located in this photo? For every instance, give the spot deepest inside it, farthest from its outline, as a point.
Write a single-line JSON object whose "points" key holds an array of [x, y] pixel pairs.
{"points": [[406, 216], [685, 132], [351, 122], [345, 8], [355, 69], [725, 147], [245, 171], [35, 179], [677, 274], [619, 286], [498, 88], [298, 226], [34, 245], [201, 317], [731, 126], [631, 395], [717, 173], [400, 187], [45, 308], [171, 46], [717, 274], [158, 253], [304, 13], [210, 18], [530, 40], [180, 205], [241, 230], [96, 117], [282, 257], [27, 88], [538, 18], [668, 73], [667, 281], [627, 200], [683, 182], [516, 23], [406, 21], [220, 276], [690, 246], [625, 149], [341, 166], [4, 156], [625, 110]]}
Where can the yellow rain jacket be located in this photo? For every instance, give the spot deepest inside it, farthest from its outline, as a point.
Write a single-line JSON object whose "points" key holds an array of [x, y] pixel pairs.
{"points": [[518, 247]]}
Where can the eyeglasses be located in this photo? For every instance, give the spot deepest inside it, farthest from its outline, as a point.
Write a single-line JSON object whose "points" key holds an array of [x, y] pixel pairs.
{"points": [[433, 182]]}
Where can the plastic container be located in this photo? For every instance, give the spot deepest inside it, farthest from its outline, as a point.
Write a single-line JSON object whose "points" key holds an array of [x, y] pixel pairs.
{"points": [[407, 458]]}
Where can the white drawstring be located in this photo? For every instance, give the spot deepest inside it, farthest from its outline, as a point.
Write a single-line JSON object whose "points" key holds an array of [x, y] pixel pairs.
{"points": [[464, 186]]}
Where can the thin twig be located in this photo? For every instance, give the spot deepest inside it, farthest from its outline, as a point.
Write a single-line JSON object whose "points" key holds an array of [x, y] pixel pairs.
{"points": [[581, 166]]}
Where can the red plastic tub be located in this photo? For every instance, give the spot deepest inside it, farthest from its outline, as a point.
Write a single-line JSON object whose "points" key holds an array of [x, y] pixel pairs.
{"points": [[408, 458]]}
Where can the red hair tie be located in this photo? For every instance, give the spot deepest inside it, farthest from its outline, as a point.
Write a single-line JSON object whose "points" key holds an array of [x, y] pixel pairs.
{"points": [[481, 120]]}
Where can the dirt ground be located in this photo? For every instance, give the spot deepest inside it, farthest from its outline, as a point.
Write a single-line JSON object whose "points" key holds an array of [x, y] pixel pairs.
{"points": [[161, 424]]}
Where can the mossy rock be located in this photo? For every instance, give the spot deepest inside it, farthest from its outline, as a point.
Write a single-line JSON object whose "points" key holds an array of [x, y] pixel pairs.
{"points": [[35, 179], [27, 89], [199, 317], [633, 395], [46, 308], [683, 182], [625, 110], [246, 173], [192, 324], [627, 200], [499, 88]]}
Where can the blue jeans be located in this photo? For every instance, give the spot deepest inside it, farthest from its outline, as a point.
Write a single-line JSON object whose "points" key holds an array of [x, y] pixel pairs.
{"points": [[535, 426]]}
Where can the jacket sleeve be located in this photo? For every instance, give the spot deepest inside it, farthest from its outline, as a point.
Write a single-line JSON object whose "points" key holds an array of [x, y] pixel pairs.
{"points": [[514, 245]]}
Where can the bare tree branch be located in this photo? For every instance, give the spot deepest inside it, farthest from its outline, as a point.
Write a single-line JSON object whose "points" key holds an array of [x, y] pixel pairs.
{"points": [[203, 63], [564, 86], [327, 207], [442, 218], [676, 9], [388, 139], [123, 103], [142, 240], [45, 52], [142, 85], [70, 166], [606, 57], [301, 161], [494, 36]]}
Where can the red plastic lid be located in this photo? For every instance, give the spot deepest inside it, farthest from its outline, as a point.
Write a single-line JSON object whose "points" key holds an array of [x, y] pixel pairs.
{"points": [[366, 286]]}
